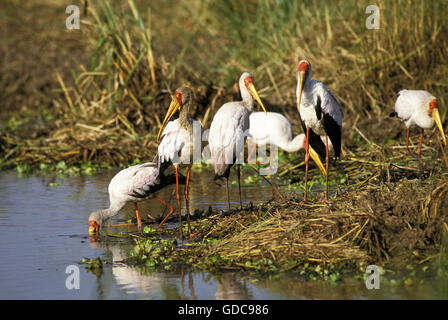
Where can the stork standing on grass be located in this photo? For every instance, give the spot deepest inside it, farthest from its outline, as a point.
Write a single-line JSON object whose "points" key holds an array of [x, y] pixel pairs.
{"points": [[227, 133], [177, 144], [320, 115], [133, 184], [419, 108], [275, 130]]}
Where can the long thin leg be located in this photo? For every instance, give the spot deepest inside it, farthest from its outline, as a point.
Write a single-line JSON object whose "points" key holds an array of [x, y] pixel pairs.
{"points": [[182, 282], [407, 141], [271, 156], [326, 167], [178, 202], [137, 214], [307, 156], [187, 202], [239, 184], [169, 213], [191, 285], [227, 192], [419, 153], [250, 153]]}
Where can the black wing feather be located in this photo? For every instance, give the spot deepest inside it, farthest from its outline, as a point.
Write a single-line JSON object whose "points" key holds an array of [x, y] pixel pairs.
{"points": [[333, 130], [315, 141], [318, 108]]}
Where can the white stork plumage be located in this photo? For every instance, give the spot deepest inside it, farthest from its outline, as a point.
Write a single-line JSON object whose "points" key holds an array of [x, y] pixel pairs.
{"points": [[228, 131], [132, 184], [178, 141], [418, 108], [320, 115], [274, 129]]}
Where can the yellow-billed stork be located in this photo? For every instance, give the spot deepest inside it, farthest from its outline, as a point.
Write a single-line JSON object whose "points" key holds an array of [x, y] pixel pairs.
{"points": [[228, 132], [177, 145], [320, 115], [418, 108], [275, 129], [132, 184]]}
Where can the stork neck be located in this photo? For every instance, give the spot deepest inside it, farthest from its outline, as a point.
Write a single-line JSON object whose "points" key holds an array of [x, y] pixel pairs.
{"points": [[101, 216], [293, 145], [113, 210], [183, 116], [307, 86], [248, 100]]}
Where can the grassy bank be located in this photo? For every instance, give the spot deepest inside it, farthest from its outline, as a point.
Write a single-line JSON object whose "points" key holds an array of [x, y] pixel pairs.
{"points": [[394, 217]]}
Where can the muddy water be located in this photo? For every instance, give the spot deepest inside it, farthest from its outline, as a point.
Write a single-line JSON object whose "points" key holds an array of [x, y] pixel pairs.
{"points": [[43, 230]]}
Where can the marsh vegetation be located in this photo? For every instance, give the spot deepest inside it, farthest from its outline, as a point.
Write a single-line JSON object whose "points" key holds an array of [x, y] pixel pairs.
{"points": [[76, 101]]}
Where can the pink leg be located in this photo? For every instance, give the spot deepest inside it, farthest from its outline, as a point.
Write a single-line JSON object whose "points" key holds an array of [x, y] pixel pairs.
{"points": [[307, 157], [178, 203], [420, 148], [250, 154], [326, 167], [137, 214], [187, 202], [407, 142], [239, 184], [227, 192], [271, 156], [169, 213]]}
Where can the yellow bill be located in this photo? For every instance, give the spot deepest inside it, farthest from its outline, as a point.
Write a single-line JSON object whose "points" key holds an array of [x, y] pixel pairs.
{"points": [[436, 116], [254, 93], [316, 159], [302, 81], [174, 105]]}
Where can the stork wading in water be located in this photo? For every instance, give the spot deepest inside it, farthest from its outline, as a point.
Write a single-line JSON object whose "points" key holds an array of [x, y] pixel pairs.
{"points": [[418, 108], [177, 142], [275, 130], [133, 184], [228, 131], [320, 115]]}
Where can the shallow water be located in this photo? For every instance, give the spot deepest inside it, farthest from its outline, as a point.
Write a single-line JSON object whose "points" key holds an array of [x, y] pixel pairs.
{"points": [[44, 229]]}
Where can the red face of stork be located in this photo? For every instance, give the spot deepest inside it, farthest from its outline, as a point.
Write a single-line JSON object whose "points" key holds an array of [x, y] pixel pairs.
{"points": [[434, 112], [94, 227], [176, 103], [304, 67]]}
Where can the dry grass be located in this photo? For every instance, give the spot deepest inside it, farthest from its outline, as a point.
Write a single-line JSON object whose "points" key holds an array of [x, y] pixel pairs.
{"points": [[366, 225], [109, 110]]}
